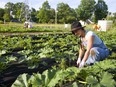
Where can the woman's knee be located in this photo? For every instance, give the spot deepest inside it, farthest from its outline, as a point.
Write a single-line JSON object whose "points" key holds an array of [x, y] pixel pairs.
{"points": [[98, 53], [93, 52]]}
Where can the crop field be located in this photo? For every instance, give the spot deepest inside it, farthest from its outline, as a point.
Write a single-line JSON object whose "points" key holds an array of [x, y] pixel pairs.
{"points": [[49, 59], [19, 27]]}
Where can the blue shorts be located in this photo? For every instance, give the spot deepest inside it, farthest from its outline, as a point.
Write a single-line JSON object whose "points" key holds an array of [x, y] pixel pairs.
{"points": [[97, 54]]}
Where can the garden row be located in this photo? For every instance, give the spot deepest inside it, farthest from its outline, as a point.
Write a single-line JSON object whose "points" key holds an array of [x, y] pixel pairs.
{"points": [[49, 60]]}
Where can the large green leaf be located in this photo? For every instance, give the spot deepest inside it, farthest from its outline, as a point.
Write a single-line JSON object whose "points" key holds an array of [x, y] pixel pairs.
{"points": [[71, 73], [37, 80], [2, 52], [48, 78], [91, 80], [49, 75], [22, 81], [75, 84], [103, 79], [102, 66], [107, 80], [106, 64], [56, 78]]}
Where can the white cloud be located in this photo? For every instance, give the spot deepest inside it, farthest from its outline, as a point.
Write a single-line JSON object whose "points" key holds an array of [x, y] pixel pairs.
{"points": [[2, 4], [111, 5], [53, 3], [72, 3]]}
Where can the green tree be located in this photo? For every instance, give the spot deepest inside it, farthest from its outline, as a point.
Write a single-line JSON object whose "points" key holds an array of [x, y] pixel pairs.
{"points": [[101, 10], [65, 13], [46, 5], [72, 16], [33, 15], [44, 13], [1, 14], [114, 15], [25, 12], [85, 9], [43, 16], [6, 17], [113, 18], [52, 16], [17, 10], [9, 7], [110, 16]]}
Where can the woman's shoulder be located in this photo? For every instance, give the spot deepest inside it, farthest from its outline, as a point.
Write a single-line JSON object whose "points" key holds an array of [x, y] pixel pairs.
{"points": [[89, 33]]}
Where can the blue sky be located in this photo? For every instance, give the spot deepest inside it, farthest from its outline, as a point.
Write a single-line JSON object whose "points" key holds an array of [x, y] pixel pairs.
{"points": [[53, 3]]}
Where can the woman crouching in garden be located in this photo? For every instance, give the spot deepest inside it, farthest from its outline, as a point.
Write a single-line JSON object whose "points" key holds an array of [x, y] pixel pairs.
{"points": [[92, 48]]}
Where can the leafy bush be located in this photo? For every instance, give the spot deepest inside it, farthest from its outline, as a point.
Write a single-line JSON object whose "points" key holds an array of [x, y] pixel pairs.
{"points": [[1, 22]]}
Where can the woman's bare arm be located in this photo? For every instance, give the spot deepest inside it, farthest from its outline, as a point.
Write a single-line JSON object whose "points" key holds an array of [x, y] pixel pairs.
{"points": [[81, 51], [89, 46]]}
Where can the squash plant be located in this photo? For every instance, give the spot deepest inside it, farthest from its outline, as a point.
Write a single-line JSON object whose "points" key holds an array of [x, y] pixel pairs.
{"points": [[63, 48], [80, 77]]}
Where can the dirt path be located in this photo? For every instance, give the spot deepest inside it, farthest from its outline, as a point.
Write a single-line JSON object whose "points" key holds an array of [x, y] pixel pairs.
{"points": [[32, 33]]}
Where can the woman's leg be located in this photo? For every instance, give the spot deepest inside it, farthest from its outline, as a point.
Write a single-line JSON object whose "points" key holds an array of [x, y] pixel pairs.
{"points": [[97, 54]]}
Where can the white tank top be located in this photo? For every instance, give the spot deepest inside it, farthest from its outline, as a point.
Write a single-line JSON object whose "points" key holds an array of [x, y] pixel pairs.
{"points": [[97, 40]]}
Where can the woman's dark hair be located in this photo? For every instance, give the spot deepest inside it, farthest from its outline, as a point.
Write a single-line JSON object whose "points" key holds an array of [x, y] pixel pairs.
{"points": [[76, 26]]}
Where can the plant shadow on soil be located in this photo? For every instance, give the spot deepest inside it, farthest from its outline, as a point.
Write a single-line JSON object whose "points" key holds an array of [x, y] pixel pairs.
{"points": [[9, 75]]}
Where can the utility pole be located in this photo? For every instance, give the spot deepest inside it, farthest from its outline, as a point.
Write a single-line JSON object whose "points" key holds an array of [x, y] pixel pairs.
{"points": [[25, 11], [56, 16]]}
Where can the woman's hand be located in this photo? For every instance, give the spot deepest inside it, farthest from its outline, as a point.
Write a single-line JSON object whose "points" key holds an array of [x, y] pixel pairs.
{"points": [[78, 61], [82, 64]]}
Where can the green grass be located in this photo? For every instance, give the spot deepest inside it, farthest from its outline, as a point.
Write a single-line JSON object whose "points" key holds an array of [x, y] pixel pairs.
{"points": [[19, 27]]}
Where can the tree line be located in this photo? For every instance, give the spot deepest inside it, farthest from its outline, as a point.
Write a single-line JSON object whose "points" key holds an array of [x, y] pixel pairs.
{"points": [[88, 9]]}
